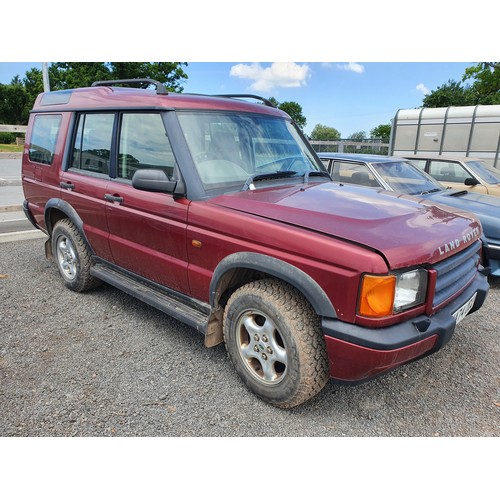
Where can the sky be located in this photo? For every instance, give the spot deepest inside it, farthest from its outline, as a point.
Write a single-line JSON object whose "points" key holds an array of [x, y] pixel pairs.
{"points": [[350, 66], [349, 96]]}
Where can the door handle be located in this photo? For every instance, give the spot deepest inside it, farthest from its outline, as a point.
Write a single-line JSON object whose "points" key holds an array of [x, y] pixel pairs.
{"points": [[113, 198], [67, 185]]}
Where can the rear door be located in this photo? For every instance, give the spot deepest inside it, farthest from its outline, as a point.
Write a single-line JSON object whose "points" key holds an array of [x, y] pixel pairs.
{"points": [[84, 181], [147, 231]]}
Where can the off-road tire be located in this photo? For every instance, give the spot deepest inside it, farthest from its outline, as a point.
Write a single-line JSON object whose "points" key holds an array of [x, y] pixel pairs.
{"points": [[275, 342], [72, 257]]}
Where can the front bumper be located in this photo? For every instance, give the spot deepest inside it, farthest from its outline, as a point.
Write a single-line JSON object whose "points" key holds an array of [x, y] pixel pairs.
{"points": [[491, 253], [357, 353]]}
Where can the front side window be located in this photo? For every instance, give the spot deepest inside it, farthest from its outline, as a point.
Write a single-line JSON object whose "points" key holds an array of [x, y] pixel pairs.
{"points": [[92, 147], [43, 138], [144, 144], [228, 149], [448, 171]]}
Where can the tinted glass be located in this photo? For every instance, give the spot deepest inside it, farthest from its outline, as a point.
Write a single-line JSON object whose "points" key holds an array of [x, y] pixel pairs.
{"points": [[353, 173], [144, 144], [43, 138], [92, 148], [489, 175], [229, 148], [448, 171], [405, 178]]}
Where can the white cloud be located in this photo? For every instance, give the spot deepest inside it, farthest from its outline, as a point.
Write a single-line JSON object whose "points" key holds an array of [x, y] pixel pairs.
{"points": [[277, 75], [355, 67], [422, 88]]}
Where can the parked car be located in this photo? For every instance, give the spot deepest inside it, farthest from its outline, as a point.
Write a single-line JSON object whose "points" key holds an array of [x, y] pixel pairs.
{"points": [[217, 211], [401, 176], [460, 173]]}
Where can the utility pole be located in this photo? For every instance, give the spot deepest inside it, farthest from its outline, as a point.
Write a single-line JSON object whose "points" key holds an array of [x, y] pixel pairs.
{"points": [[45, 76]]}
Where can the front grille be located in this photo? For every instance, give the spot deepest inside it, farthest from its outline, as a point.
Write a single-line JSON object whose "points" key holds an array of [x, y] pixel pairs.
{"points": [[455, 273]]}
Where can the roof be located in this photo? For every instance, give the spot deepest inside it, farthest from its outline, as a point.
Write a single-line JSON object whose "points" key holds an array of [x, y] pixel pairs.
{"points": [[367, 158], [443, 157], [111, 97]]}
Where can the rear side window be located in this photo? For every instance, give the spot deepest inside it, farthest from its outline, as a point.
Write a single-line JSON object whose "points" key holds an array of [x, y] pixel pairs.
{"points": [[353, 173], [418, 163], [43, 138], [92, 148]]}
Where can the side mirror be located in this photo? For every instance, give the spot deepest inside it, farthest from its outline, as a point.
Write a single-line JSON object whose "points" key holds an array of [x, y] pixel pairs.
{"points": [[153, 180], [471, 182]]}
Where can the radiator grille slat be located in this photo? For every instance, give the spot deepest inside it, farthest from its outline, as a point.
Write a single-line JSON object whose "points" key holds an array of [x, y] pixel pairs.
{"points": [[455, 273]]}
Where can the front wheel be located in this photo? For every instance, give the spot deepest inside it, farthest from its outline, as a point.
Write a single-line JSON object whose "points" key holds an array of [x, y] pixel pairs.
{"points": [[72, 256], [275, 342]]}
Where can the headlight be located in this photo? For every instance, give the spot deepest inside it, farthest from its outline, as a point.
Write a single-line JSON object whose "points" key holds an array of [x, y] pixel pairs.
{"points": [[382, 296]]}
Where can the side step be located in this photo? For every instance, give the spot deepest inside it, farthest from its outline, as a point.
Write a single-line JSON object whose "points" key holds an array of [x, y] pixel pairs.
{"points": [[189, 311]]}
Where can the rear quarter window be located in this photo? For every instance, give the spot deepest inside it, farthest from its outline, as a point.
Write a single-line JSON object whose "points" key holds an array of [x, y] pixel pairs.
{"points": [[43, 138]]}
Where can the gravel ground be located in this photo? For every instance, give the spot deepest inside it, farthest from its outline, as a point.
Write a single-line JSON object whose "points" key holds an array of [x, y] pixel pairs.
{"points": [[104, 364]]}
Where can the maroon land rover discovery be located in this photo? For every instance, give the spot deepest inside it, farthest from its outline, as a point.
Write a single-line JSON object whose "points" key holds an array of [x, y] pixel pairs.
{"points": [[217, 211]]}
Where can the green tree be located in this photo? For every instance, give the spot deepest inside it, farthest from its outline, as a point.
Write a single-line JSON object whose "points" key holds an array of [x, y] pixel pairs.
{"points": [[486, 82], [14, 107], [381, 132], [481, 85], [324, 133], [451, 93], [358, 136], [70, 75], [66, 75], [293, 109]]}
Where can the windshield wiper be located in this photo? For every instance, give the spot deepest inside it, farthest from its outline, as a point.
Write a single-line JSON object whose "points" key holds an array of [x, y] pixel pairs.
{"points": [[315, 173], [263, 177]]}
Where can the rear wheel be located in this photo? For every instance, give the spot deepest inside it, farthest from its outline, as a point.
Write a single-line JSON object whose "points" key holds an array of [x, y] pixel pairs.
{"points": [[274, 339], [72, 256]]}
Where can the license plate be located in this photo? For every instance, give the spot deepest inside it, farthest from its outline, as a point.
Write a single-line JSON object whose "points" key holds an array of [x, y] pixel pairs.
{"points": [[460, 314]]}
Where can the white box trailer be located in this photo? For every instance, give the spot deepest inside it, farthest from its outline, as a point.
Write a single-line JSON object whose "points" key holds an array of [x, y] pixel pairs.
{"points": [[453, 131]]}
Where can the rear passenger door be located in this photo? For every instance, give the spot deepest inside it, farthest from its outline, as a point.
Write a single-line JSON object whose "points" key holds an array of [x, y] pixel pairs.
{"points": [[147, 231], [86, 176]]}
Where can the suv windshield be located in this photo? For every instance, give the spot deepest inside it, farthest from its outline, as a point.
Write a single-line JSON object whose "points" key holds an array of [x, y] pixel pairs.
{"points": [[228, 148], [405, 178]]}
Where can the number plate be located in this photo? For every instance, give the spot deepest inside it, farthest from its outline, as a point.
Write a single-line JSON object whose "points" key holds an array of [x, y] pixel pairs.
{"points": [[460, 314]]}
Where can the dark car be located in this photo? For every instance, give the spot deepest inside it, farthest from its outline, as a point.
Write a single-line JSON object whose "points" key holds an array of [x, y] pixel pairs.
{"points": [[217, 211], [401, 176]]}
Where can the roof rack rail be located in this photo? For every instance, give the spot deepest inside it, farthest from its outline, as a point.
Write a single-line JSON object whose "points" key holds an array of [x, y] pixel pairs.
{"points": [[160, 88], [267, 102]]}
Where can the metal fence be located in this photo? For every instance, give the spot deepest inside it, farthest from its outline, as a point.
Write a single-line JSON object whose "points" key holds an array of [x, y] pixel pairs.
{"points": [[362, 146]]}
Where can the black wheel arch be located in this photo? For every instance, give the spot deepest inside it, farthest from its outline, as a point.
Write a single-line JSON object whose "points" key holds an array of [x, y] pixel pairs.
{"points": [[57, 209], [239, 268]]}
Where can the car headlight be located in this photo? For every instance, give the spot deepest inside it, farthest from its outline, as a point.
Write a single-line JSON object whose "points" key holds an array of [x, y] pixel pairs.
{"points": [[381, 296]]}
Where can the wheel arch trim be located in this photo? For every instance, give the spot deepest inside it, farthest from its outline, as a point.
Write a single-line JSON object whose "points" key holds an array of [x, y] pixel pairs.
{"points": [[278, 269], [65, 208]]}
